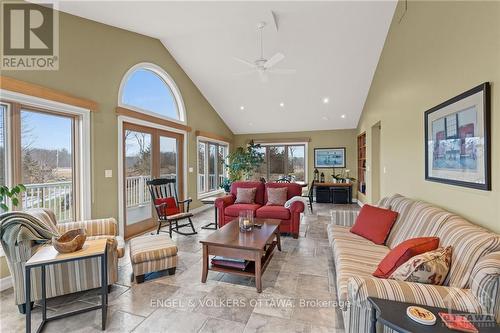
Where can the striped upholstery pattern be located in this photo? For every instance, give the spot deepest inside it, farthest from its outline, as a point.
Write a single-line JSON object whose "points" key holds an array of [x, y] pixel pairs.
{"points": [[154, 265], [419, 220], [403, 206], [357, 319], [63, 278], [120, 243], [341, 232], [384, 203], [473, 284], [469, 242], [344, 217], [485, 283], [151, 247], [152, 253], [93, 227], [353, 258]]}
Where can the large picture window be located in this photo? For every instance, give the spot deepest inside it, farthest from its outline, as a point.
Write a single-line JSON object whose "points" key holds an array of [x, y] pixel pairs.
{"points": [[44, 156], [281, 161], [211, 168]]}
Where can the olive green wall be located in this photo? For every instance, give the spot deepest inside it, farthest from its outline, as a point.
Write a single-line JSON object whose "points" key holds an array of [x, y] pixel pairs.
{"points": [[319, 139], [93, 59], [439, 50]]}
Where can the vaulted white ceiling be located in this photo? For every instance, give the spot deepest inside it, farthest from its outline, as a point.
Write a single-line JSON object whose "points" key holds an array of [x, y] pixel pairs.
{"points": [[333, 45]]}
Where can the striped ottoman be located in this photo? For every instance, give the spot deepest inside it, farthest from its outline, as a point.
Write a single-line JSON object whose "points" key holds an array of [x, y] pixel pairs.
{"points": [[152, 253]]}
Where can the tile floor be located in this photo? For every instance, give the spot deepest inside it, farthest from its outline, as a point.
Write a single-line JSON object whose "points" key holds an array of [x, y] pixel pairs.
{"points": [[302, 272]]}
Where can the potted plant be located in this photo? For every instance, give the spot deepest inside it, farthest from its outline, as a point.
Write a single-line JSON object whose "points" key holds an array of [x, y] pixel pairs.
{"points": [[13, 194], [226, 184], [241, 163], [348, 178]]}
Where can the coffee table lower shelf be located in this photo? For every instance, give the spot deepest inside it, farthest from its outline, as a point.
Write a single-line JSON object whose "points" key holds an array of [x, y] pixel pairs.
{"points": [[250, 269]]}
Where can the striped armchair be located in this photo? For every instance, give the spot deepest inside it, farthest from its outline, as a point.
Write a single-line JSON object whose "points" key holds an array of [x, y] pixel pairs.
{"points": [[68, 277], [472, 285]]}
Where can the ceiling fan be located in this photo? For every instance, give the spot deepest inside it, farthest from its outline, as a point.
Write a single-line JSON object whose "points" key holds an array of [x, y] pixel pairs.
{"points": [[264, 66]]}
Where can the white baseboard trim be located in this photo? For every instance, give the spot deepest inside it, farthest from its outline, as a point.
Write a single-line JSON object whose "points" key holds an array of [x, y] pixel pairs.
{"points": [[5, 283]]}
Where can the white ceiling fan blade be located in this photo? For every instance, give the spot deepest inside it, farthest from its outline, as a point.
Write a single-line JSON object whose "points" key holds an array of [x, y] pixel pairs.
{"points": [[282, 71], [243, 61], [274, 60]]}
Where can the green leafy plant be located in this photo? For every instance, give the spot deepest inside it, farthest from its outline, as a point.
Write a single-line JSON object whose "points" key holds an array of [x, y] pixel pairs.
{"points": [[12, 194], [226, 185], [243, 161]]}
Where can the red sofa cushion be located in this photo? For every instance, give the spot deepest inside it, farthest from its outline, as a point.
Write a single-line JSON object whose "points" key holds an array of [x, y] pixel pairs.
{"points": [[170, 208], [234, 210], [259, 194], [273, 212], [374, 223], [404, 252]]}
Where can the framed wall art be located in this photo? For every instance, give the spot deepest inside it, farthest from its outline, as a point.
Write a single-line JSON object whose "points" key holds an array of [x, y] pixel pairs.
{"points": [[329, 157], [457, 140]]}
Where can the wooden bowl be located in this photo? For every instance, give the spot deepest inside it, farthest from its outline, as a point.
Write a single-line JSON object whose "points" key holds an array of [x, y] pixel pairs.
{"points": [[70, 241]]}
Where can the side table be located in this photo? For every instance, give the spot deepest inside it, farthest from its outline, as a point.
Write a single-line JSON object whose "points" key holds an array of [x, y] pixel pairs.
{"points": [[210, 201], [393, 315], [48, 255]]}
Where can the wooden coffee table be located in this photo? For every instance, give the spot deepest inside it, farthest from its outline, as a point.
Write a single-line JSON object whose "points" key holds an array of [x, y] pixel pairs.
{"points": [[256, 246]]}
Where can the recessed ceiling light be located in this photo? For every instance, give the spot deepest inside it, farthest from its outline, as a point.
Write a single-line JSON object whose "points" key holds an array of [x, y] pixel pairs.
{"points": [[282, 104], [242, 108], [342, 116], [326, 100], [324, 118]]}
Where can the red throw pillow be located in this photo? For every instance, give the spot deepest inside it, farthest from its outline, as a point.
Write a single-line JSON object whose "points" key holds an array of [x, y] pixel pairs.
{"points": [[170, 208], [404, 252], [374, 223]]}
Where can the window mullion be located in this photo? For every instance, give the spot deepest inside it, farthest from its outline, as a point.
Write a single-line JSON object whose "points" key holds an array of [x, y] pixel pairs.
{"points": [[207, 154]]}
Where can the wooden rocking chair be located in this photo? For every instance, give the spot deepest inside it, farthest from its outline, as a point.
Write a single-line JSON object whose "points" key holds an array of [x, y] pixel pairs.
{"points": [[168, 207]]}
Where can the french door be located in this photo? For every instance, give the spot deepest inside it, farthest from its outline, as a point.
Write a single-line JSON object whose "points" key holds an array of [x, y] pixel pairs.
{"points": [[148, 153]]}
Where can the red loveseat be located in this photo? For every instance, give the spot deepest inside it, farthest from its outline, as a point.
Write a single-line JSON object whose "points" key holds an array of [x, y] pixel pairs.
{"points": [[227, 210]]}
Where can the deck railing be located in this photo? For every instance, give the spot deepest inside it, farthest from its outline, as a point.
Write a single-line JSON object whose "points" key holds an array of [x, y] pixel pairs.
{"points": [[58, 196], [137, 192]]}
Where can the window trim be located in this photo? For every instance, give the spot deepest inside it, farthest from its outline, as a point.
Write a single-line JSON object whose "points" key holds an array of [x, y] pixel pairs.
{"points": [[200, 139], [82, 132], [169, 81], [7, 145], [289, 143]]}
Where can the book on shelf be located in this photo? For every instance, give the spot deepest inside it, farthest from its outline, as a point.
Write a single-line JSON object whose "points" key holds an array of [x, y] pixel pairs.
{"points": [[230, 262]]}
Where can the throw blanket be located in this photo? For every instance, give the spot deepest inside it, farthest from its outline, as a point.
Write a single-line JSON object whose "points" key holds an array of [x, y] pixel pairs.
{"points": [[296, 198], [16, 227]]}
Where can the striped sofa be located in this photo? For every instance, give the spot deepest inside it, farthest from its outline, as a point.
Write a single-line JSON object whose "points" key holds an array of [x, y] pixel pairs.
{"points": [[472, 285], [68, 277]]}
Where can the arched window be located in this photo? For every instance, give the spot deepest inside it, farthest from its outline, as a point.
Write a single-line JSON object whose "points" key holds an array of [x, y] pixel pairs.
{"points": [[149, 89]]}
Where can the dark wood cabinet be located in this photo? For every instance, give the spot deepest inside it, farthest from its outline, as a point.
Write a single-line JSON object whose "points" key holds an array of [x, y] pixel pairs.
{"points": [[337, 193]]}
